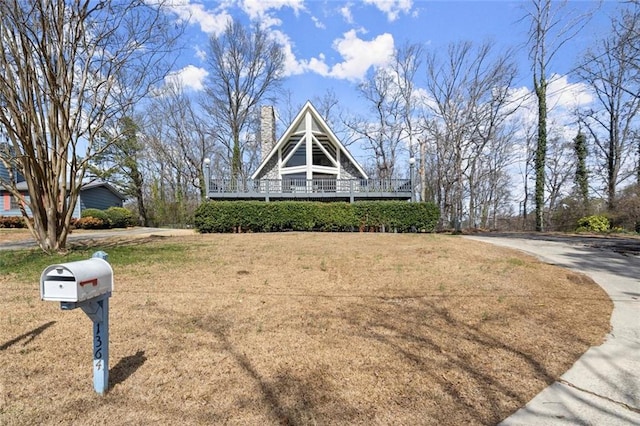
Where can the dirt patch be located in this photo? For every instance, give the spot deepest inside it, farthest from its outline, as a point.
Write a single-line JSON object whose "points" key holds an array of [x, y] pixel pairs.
{"points": [[303, 329]]}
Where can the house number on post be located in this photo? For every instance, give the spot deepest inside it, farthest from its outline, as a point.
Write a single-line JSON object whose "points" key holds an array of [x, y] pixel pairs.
{"points": [[86, 284]]}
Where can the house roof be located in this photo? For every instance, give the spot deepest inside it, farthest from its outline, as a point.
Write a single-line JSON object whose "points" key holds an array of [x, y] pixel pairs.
{"points": [[22, 186], [101, 183], [323, 127]]}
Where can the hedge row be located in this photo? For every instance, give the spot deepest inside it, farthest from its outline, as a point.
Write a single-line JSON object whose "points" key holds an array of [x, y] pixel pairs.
{"points": [[258, 216]]}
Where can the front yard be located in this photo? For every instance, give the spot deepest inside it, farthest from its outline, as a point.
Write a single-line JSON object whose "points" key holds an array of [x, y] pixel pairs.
{"points": [[298, 328]]}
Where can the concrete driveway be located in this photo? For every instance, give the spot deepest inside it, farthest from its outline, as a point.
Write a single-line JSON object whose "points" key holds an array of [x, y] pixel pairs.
{"points": [[603, 386]]}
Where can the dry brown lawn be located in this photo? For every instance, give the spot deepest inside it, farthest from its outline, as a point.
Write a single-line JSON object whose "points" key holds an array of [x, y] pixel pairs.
{"points": [[304, 329], [11, 235]]}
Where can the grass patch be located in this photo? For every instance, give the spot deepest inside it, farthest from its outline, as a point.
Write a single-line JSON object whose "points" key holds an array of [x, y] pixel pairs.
{"points": [[27, 265], [279, 329]]}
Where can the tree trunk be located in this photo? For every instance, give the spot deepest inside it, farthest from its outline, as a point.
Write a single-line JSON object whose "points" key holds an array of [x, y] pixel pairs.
{"points": [[541, 150]]}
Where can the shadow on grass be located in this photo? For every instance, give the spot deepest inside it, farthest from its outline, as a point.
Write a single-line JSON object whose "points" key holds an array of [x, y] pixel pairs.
{"points": [[435, 347], [422, 335], [126, 367], [290, 398], [30, 335]]}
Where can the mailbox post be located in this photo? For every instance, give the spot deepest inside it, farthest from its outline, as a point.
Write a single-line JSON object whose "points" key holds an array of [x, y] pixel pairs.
{"points": [[86, 284]]}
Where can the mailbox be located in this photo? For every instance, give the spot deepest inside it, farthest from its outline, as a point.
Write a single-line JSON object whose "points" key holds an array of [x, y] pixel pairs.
{"points": [[76, 281]]}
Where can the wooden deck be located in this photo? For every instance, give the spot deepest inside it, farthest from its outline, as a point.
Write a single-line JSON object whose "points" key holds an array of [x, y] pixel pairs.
{"points": [[310, 190]]}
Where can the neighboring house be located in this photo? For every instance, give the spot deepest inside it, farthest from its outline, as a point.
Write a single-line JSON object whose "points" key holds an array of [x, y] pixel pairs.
{"points": [[93, 195], [308, 162]]}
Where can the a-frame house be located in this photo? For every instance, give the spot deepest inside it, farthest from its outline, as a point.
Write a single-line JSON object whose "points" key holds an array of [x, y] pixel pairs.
{"points": [[308, 162]]}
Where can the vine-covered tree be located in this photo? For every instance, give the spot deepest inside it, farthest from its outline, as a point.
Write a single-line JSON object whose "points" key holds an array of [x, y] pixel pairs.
{"points": [[582, 174], [551, 26], [68, 71]]}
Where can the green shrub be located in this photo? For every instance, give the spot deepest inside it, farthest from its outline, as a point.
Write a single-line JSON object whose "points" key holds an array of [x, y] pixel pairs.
{"points": [[96, 214], [258, 216], [595, 223], [119, 217]]}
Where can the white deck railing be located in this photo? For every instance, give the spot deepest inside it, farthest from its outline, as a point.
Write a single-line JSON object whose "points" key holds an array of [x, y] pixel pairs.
{"points": [[275, 187]]}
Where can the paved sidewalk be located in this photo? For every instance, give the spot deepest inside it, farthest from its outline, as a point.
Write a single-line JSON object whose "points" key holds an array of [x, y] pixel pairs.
{"points": [[603, 386]]}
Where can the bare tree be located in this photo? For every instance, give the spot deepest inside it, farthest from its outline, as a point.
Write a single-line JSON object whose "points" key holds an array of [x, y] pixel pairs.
{"points": [[391, 125], [468, 88], [176, 142], [186, 142], [526, 160], [69, 70], [329, 107], [383, 132], [245, 66], [407, 62], [559, 170], [612, 72], [551, 26]]}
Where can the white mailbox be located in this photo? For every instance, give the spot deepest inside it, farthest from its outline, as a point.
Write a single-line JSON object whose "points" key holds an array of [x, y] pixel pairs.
{"points": [[76, 281]]}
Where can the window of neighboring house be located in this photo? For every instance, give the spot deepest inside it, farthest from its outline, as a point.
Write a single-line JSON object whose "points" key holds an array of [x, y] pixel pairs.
{"points": [[15, 204]]}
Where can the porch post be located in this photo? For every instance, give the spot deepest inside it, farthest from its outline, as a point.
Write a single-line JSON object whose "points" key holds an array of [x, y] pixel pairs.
{"points": [[412, 163], [207, 176]]}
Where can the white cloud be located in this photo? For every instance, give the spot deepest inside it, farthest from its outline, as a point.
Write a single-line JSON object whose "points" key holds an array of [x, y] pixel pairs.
{"points": [[345, 11], [319, 66], [189, 77], [567, 96], [392, 8], [291, 65], [318, 23], [259, 9], [200, 54], [210, 22], [563, 99], [359, 55]]}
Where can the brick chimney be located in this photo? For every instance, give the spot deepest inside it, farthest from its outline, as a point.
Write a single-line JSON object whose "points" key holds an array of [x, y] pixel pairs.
{"points": [[267, 130]]}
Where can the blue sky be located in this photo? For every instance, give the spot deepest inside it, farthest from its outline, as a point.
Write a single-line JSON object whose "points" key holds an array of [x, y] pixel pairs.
{"points": [[331, 44]]}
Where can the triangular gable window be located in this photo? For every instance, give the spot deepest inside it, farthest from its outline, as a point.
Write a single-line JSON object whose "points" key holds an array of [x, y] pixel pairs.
{"points": [[290, 146], [320, 159], [309, 145], [324, 153], [315, 127], [300, 128], [299, 157]]}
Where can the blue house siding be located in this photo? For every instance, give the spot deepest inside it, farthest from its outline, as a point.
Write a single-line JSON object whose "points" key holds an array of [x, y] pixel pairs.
{"points": [[98, 197], [5, 203], [4, 173], [95, 196]]}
